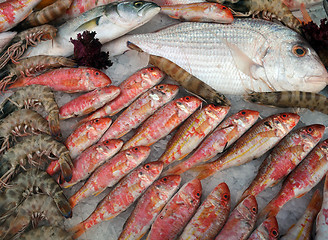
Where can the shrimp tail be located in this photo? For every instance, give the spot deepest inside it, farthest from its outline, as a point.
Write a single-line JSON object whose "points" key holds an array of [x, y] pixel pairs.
{"points": [[78, 230], [66, 166], [205, 170], [54, 124], [6, 78], [7, 108], [63, 205]]}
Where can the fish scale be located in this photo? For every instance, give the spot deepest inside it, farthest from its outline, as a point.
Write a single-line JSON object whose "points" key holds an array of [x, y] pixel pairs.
{"points": [[245, 55]]}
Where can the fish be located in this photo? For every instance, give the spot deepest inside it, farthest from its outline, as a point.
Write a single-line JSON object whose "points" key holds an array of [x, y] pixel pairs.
{"points": [[192, 132], [271, 58], [5, 38], [303, 228], [219, 140], [241, 221], [162, 122], [289, 152], [294, 5], [109, 21], [301, 180], [268, 229], [149, 206], [263, 136], [108, 174], [122, 196], [131, 88], [177, 212], [285, 99], [86, 135], [211, 216], [92, 158], [88, 102], [199, 12], [321, 222], [140, 110]]}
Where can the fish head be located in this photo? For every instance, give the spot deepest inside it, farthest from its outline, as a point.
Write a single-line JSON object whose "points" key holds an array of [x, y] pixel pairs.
{"points": [[151, 170], [188, 104], [191, 192], [95, 77], [107, 93], [138, 152], [292, 65], [314, 132], [151, 75], [248, 208], [112, 144], [222, 193], [167, 90], [269, 228], [246, 116], [284, 122], [100, 124], [131, 14], [239, 7], [168, 182], [216, 111]]}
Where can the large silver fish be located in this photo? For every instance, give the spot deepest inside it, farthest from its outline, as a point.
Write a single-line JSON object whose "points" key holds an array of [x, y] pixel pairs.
{"points": [[250, 54], [109, 21]]}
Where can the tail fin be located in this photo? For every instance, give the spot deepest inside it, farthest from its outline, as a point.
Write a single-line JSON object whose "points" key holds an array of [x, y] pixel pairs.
{"points": [[205, 170], [77, 230], [65, 162], [271, 210], [176, 170], [63, 205], [316, 202], [20, 82]]}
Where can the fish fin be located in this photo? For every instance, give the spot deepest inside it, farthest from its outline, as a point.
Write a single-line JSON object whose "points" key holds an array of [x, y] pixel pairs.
{"points": [[269, 211], [78, 230], [295, 149], [316, 201], [176, 170], [63, 205], [205, 170], [89, 25], [20, 82], [97, 193], [244, 63]]}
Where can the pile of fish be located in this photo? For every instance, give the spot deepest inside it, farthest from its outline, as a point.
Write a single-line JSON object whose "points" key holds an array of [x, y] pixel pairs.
{"points": [[116, 128]]}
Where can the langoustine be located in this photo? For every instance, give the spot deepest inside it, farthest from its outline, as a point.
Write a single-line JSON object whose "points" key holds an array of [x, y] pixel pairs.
{"points": [[69, 80], [28, 183], [31, 97], [22, 153]]}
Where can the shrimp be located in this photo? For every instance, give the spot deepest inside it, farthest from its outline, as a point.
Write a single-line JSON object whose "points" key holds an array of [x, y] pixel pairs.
{"points": [[30, 212], [28, 183], [33, 96], [29, 66], [47, 14], [46, 233], [285, 99], [267, 9], [19, 123], [22, 154], [29, 37]]}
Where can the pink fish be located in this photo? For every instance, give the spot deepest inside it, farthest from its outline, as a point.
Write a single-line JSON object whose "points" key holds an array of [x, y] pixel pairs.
{"points": [[210, 216], [222, 137], [322, 218], [162, 122], [88, 102], [267, 230], [149, 206], [192, 132], [141, 109], [177, 212], [108, 174], [122, 196]]}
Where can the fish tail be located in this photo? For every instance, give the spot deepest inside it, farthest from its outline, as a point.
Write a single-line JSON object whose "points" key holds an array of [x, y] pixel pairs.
{"points": [[271, 210], [63, 205], [205, 170], [78, 230], [54, 126], [176, 170], [20, 82], [316, 201]]}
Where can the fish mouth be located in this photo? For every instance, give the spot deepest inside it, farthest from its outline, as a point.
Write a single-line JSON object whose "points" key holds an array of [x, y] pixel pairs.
{"points": [[318, 79]]}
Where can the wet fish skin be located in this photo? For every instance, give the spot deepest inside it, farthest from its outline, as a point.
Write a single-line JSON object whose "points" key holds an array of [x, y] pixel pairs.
{"points": [[256, 57], [219, 140], [108, 174], [92, 158], [122, 196], [300, 181], [131, 88], [263, 136], [289, 152], [177, 212], [141, 109], [109, 21], [303, 228], [268, 229], [322, 217], [162, 122], [192, 132], [241, 221], [210, 216], [149, 206]]}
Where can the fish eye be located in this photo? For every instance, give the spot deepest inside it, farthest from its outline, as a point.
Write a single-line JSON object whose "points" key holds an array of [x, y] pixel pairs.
{"points": [[97, 120], [147, 166], [226, 196], [135, 149], [187, 98], [243, 112], [97, 73], [198, 194], [284, 116], [161, 87], [254, 209], [224, 8], [138, 4], [309, 130], [299, 51], [164, 179], [274, 233], [152, 69], [107, 141]]}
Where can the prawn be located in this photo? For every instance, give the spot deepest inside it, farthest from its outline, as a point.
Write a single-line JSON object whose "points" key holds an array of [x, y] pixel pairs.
{"points": [[45, 233], [31, 182], [29, 66], [29, 37], [23, 154], [31, 97]]}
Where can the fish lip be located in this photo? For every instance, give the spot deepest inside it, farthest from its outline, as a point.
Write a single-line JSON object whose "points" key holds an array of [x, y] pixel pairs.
{"points": [[318, 79]]}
